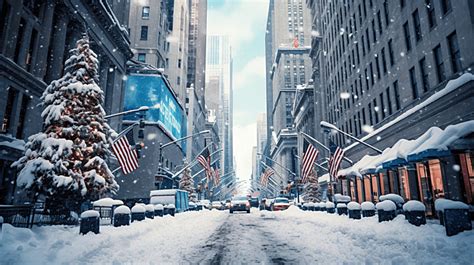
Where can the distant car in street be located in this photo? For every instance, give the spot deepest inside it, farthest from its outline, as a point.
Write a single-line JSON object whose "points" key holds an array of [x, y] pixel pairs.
{"points": [[254, 202], [239, 203], [205, 203], [268, 204], [227, 204], [263, 204], [280, 204], [217, 205]]}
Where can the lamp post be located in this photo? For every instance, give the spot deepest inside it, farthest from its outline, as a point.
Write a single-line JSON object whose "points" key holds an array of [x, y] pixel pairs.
{"points": [[160, 154], [327, 125], [323, 146]]}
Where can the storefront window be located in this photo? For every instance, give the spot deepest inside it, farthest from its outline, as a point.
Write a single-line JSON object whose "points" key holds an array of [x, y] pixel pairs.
{"points": [[344, 186], [352, 190], [359, 190], [404, 184], [392, 175], [436, 178], [467, 171], [367, 189], [375, 188], [382, 183]]}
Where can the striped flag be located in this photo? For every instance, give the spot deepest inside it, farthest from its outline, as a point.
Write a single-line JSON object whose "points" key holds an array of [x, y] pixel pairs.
{"points": [[205, 160], [266, 176], [335, 162], [124, 149], [308, 162]]}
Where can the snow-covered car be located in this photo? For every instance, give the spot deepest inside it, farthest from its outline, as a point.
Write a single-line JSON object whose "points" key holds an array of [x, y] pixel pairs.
{"points": [[280, 204], [205, 203], [239, 203], [227, 204], [217, 205], [268, 204]]}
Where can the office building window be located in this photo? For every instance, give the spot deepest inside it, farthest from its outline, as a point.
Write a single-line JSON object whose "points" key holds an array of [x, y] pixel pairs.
{"points": [[384, 62], [178, 80], [144, 33], [368, 38], [374, 33], [376, 111], [145, 12], [416, 25], [179, 63], [431, 13], [372, 78], [141, 57], [21, 122], [438, 58], [454, 52], [371, 117], [385, 10], [390, 52], [8, 115], [402, 3], [379, 19], [363, 45], [424, 75], [396, 93], [445, 6], [406, 33], [377, 66], [413, 83], [389, 101]]}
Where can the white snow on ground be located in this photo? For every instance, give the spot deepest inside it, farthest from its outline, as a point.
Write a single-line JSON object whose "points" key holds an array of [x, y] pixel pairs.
{"points": [[292, 236], [156, 241]]}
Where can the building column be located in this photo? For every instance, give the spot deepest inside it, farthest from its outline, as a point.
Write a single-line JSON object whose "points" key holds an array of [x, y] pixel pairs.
{"points": [[451, 178], [41, 60], [11, 36], [56, 59], [413, 182]]}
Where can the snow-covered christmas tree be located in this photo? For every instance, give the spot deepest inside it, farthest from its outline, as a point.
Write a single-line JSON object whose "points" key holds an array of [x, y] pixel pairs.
{"points": [[311, 191], [187, 183], [66, 162]]}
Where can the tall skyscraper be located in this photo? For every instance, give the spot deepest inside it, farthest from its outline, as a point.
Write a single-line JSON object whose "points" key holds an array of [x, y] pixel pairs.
{"points": [[288, 65], [219, 96]]}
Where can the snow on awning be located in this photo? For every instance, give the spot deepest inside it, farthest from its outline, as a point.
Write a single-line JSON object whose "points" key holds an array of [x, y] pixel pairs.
{"points": [[355, 170], [324, 178]]}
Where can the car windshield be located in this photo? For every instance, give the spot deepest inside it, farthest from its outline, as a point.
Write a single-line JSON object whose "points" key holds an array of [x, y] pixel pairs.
{"points": [[281, 200], [239, 198]]}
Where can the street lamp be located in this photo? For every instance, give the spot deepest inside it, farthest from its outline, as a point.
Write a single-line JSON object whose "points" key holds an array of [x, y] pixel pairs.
{"points": [[160, 157], [323, 146], [327, 125]]}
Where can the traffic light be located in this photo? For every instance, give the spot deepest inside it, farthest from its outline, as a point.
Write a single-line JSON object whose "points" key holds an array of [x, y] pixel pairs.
{"points": [[141, 130]]}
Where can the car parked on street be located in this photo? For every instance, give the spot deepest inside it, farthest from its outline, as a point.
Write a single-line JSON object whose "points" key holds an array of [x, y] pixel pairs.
{"points": [[217, 205], [239, 203], [280, 204], [254, 202], [205, 204], [268, 204]]}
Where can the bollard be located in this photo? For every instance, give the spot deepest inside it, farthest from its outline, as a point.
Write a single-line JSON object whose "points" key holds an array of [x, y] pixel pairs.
{"points": [[415, 212], [170, 209], [341, 208], [138, 213], [150, 211], [354, 210], [386, 210], [121, 216], [90, 222], [159, 210], [330, 207], [368, 209]]}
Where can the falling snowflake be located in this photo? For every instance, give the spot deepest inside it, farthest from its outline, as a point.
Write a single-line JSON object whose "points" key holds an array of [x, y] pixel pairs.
{"points": [[367, 128], [345, 95]]}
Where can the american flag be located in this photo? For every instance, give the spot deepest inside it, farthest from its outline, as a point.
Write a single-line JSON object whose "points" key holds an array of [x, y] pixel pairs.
{"points": [[308, 162], [217, 178], [266, 176], [124, 149], [335, 161], [205, 160]]}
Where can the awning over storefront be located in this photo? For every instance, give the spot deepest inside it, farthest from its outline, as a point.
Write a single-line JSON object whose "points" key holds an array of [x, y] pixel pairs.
{"points": [[433, 143]]}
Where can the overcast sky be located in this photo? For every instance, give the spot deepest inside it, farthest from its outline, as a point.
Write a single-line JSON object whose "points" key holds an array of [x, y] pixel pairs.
{"points": [[245, 23]]}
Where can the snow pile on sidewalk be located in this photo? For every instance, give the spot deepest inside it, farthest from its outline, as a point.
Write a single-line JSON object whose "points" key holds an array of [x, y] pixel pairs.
{"points": [[333, 239], [152, 241]]}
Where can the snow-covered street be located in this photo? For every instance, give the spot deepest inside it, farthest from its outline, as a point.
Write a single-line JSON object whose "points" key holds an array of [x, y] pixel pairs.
{"points": [[217, 237]]}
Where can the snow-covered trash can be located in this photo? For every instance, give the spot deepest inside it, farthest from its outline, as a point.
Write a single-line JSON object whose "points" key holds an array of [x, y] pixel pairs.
{"points": [[341, 208], [330, 207], [150, 211], [122, 216], [170, 209], [455, 216], [322, 206], [368, 209], [159, 209], [90, 222], [395, 198], [354, 210], [386, 210], [138, 212], [415, 212]]}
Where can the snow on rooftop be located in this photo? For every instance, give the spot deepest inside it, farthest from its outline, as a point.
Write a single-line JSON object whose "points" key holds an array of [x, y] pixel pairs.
{"points": [[15, 144], [450, 86]]}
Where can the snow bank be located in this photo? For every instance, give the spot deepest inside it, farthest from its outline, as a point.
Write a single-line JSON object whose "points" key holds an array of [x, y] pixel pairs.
{"points": [[341, 205], [393, 197], [159, 207], [149, 208], [367, 206], [353, 206], [138, 209], [413, 205], [107, 202], [329, 205], [122, 210], [387, 206], [90, 213], [443, 204], [342, 198]]}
